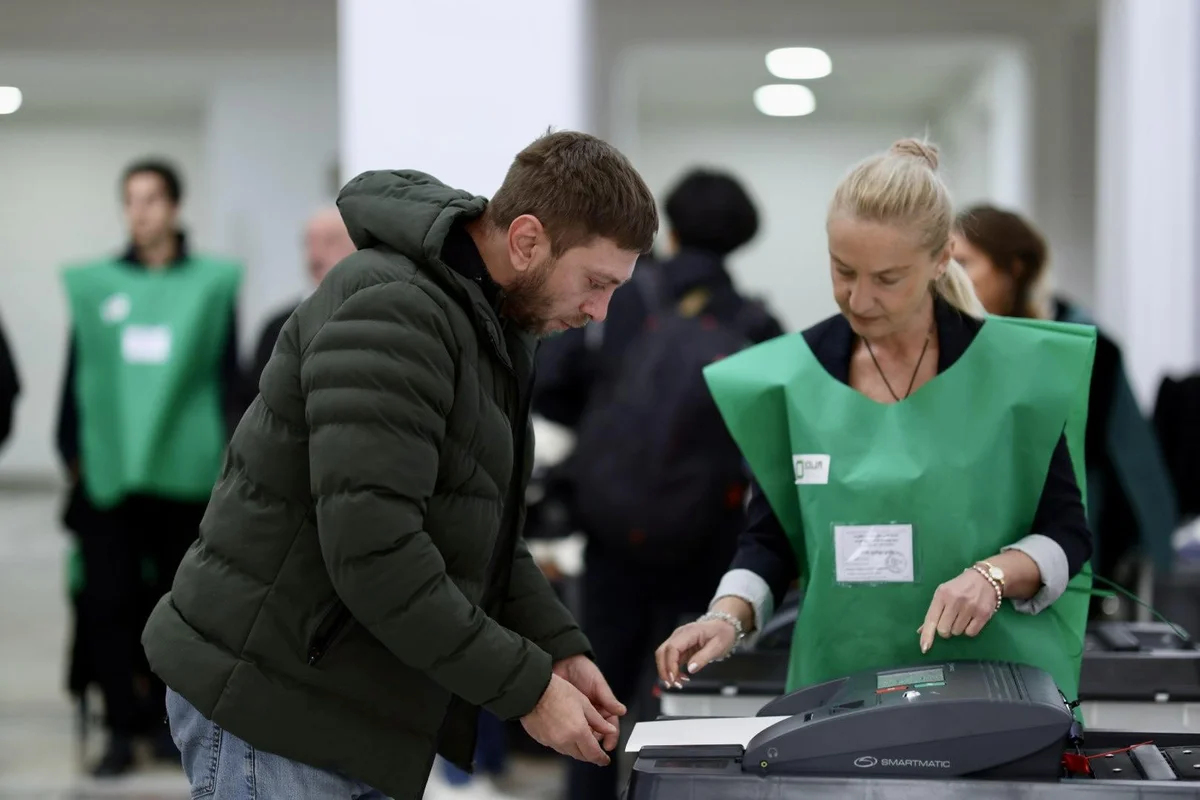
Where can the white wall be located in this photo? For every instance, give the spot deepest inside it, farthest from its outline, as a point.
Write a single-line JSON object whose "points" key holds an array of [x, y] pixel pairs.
{"points": [[271, 142], [986, 137], [791, 166], [59, 201]]}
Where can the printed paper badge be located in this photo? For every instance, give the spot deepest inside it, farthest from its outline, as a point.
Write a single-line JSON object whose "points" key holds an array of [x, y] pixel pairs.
{"points": [[811, 469]]}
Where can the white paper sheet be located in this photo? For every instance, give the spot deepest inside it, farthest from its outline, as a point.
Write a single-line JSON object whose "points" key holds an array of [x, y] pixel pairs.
{"points": [[685, 732]]}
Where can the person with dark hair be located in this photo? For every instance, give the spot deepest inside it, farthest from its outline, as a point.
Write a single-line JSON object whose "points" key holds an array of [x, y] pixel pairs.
{"points": [[151, 383], [711, 212], [709, 216], [361, 587], [10, 388], [1131, 501], [168, 177]]}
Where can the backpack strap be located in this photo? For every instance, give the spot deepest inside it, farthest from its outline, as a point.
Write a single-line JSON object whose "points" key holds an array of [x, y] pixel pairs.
{"points": [[752, 319]]}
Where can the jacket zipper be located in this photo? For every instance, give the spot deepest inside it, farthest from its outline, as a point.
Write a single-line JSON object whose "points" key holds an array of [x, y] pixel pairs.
{"points": [[335, 621]]}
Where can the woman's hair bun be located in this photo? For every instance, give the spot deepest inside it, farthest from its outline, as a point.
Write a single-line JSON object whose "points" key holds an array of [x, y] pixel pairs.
{"points": [[914, 148]]}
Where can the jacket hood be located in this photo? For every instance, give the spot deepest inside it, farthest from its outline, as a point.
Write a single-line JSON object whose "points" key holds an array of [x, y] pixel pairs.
{"points": [[406, 210]]}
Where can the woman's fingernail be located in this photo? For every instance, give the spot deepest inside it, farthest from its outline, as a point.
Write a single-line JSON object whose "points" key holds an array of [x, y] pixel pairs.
{"points": [[692, 667], [678, 685]]}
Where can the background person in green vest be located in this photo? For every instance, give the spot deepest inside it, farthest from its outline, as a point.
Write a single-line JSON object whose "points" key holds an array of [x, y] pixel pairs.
{"points": [[916, 464], [151, 383], [1131, 499]]}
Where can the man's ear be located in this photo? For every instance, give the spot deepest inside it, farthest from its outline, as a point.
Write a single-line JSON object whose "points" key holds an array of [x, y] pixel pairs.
{"points": [[526, 237]]}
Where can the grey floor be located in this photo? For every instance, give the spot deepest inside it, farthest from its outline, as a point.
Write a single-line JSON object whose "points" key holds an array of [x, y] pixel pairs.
{"points": [[40, 754]]}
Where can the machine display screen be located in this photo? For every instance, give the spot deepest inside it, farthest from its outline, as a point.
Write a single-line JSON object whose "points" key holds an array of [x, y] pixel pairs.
{"points": [[887, 680]]}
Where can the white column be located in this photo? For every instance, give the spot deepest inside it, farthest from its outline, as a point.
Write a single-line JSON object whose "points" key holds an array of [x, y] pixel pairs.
{"points": [[456, 88], [1146, 172], [1009, 89]]}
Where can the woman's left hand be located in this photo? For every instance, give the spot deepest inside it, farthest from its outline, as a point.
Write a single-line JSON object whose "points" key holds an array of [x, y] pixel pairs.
{"points": [[962, 605]]}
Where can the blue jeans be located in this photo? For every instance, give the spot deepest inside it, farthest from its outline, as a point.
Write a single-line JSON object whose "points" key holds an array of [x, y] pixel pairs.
{"points": [[221, 766]]}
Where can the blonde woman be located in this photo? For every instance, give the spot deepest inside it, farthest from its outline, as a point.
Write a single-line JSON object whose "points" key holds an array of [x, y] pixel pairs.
{"points": [[917, 464]]}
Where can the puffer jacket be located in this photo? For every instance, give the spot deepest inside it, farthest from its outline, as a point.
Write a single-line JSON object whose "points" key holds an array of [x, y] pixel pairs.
{"points": [[360, 587]]}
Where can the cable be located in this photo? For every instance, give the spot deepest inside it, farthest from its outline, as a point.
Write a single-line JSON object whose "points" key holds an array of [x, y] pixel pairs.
{"points": [[1118, 752], [1175, 628]]}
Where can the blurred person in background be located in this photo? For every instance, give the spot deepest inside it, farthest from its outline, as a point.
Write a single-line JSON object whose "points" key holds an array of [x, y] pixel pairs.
{"points": [[361, 587], [151, 384], [10, 388], [661, 525], [326, 242], [1131, 501]]}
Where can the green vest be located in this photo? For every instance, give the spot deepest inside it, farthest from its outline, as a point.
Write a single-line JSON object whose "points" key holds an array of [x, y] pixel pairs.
{"points": [[962, 461], [148, 388]]}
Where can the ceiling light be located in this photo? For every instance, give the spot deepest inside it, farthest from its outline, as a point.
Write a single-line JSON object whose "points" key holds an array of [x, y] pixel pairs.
{"points": [[799, 63], [784, 100], [10, 99]]}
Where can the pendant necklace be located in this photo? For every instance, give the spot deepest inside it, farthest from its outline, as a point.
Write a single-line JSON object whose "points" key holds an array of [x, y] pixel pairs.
{"points": [[912, 381]]}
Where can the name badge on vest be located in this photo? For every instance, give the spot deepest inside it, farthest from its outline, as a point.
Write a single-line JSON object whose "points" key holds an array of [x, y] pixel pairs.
{"points": [[146, 344], [866, 554], [811, 469]]}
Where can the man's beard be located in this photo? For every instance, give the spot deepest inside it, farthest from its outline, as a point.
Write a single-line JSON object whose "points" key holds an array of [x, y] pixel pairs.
{"points": [[527, 303]]}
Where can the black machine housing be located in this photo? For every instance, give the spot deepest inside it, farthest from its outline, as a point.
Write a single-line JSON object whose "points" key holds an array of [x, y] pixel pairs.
{"points": [[956, 719], [950, 720]]}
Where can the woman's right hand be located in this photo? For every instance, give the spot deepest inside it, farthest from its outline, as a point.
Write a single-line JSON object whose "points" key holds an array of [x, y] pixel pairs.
{"points": [[692, 647]]}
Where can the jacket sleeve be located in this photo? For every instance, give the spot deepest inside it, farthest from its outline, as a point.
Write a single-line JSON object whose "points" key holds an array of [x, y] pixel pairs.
{"points": [[233, 381], [378, 380], [764, 566], [10, 387], [533, 610], [67, 431]]}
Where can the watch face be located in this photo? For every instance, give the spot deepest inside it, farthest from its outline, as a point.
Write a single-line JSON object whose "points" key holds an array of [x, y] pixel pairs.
{"points": [[996, 573]]}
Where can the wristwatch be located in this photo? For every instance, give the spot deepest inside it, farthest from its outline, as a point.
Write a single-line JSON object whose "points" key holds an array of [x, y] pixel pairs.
{"points": [[995, 573]]}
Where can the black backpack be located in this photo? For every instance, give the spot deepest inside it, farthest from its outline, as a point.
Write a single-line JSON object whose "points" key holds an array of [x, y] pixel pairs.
{"points": [[654, 471]]}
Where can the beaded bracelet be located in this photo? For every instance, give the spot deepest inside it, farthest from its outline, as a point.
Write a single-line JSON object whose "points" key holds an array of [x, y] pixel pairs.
{"points": [[732, 620], [992, 581]]}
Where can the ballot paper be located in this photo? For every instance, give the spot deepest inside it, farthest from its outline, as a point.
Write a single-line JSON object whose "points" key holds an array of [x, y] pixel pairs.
{"points": [[697, 731]]}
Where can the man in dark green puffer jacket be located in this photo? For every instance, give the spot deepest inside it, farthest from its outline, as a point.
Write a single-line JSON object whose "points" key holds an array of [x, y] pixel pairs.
{"points": [[360, 587]]}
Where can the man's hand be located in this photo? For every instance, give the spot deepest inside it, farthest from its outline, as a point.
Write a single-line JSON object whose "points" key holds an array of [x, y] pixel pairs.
{"points": [[582, 673], [962, 605], [565, 720]]}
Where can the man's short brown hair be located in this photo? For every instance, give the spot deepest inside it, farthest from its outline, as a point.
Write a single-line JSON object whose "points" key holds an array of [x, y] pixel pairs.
{"points": [[580, 188]]}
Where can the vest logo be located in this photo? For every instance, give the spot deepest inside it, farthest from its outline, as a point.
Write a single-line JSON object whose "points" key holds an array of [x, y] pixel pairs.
{"points": [[811, 469], [865, 762], [116, 308]]}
